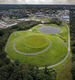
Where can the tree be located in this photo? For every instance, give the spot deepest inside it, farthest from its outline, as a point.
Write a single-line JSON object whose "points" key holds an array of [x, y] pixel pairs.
{"points": [[6, 71], [17, 62], [56, 21], [46, 70], [73, 70]]}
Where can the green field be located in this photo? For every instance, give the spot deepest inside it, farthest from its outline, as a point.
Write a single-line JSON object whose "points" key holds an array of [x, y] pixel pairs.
{"points": [[36, 41], [33, 41]]}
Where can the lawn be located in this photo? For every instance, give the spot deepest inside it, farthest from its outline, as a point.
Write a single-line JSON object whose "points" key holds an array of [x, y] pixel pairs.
{"points": [[53, 55], [36, 41], [63, 34]]}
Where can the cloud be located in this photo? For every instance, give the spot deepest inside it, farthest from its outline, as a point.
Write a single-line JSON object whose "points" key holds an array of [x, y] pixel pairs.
{"points": [[64, 1], [37, 1]]}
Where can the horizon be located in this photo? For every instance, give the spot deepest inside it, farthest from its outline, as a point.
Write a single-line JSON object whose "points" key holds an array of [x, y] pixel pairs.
{"points": [[39, 4]]}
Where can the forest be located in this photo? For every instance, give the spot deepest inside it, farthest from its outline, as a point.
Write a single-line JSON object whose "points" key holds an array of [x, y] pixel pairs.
{"points": [[72, 31]]}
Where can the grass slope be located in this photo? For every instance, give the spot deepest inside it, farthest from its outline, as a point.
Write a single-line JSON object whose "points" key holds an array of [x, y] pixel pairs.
{"points": [[36, 41], [53, 55]]}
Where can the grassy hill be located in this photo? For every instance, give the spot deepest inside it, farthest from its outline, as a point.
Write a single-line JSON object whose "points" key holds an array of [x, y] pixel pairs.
{"points": [[35, 47]]}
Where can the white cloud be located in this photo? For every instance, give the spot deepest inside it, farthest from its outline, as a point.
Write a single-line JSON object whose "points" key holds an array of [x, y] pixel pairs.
{"points": [[37, 1]]}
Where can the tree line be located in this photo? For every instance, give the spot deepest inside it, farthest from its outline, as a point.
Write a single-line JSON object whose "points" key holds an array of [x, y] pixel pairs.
{"points": [[72, 30]]}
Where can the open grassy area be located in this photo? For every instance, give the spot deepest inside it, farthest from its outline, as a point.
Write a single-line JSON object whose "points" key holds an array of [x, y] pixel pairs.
{"points": [[25, 43], [63, 34], [53, 55], [36, 41], [33, 41]]}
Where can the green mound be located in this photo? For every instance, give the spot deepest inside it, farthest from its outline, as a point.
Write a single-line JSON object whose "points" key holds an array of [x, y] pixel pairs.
{"points": [[31, 43], [36, 41], [54, 54]]}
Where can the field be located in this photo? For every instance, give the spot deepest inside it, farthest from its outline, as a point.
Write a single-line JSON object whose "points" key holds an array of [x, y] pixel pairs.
{"points": [[35, 47]]}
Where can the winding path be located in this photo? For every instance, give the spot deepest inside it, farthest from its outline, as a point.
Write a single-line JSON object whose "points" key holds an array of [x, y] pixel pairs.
{"points": [[31, 53], [65, 56]]}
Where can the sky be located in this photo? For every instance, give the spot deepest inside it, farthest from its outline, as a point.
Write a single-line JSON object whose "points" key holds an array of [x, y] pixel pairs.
{"points": [[37, 1]]}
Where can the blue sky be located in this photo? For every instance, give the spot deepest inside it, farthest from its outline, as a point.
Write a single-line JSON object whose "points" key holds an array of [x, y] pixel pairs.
{"points": [[37, 1]]}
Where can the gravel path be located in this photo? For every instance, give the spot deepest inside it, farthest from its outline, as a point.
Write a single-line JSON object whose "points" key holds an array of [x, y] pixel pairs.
{"points": [[31, 53], [65, 56], [8, 41]]}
